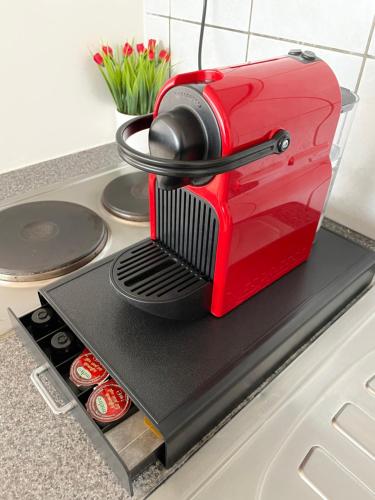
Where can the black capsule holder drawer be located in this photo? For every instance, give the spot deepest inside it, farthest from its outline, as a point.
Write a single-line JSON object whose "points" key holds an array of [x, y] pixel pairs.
{"points": [[127, 444]]}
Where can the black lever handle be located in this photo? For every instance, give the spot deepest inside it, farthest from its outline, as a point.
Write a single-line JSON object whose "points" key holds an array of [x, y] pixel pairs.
{"points": [[192, 169]]}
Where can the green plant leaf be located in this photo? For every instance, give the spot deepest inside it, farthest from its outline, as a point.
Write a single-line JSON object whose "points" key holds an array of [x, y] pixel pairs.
{"points": [[134, 81]]}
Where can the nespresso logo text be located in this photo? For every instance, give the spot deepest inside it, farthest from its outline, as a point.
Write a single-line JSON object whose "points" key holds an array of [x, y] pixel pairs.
{"points": [[183, 94]]}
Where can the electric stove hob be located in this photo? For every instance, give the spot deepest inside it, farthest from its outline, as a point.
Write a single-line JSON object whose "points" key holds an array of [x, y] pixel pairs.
{"points": [[46, 239], [187, 375], [126, 197]]}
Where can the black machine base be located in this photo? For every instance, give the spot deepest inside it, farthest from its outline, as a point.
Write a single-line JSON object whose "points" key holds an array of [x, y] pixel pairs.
{"points": [[153, 278], [187, 375]]}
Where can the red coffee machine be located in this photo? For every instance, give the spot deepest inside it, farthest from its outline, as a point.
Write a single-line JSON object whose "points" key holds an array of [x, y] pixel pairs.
{"points": [[240, 169]]}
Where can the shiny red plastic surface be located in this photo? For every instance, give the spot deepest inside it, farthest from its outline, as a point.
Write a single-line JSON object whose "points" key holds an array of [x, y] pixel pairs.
{"points": [[268, 210]]}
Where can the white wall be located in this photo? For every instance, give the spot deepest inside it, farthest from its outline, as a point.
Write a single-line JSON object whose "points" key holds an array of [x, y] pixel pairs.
{"points": [[52, 98], [340, 32]]}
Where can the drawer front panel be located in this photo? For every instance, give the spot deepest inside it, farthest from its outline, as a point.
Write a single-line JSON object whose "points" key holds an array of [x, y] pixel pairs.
{"points": [[66, 398]]}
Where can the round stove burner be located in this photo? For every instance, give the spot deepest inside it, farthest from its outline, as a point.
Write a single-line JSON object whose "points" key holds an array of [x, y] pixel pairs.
{"points": [[45, 239], [44, 230], [127, 197]]}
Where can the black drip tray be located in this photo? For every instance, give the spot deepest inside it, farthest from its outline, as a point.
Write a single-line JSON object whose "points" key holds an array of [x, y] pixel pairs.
{"points": [[156, 280]]}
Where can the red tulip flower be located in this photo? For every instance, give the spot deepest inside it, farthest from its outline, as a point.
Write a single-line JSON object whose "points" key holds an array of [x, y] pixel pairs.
{"points": [[163, 55], [98, 59], [151, 44], [127, 49], [107, 50], [140, 66]]}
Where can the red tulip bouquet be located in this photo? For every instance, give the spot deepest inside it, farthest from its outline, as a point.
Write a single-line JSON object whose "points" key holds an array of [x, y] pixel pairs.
{"points": [[134, 75]]}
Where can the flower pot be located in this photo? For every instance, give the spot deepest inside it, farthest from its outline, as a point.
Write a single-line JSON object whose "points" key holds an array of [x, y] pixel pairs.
{"points": [[126, 196], [137, 141]]}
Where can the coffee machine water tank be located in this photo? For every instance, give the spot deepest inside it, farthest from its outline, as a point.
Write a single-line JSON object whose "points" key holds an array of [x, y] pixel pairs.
{"points": [[349, 102]]}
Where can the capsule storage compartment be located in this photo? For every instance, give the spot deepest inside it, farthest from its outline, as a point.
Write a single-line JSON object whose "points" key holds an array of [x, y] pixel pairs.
{"points": [[128, 444], [41, 322]]}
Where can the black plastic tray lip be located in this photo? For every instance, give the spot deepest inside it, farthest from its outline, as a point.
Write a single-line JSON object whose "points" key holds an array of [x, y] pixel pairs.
{"points": [[78, 402], [173, 425]]}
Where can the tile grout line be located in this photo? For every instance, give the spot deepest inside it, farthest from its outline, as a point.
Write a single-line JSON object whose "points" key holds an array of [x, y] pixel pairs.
{"points": [[365, 55], [309, 44], [248, 31], [270, 37], [197, 23]]}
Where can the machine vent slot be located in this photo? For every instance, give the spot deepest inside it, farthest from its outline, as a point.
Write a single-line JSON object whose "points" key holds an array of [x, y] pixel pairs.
{"points": [[187, 225]]}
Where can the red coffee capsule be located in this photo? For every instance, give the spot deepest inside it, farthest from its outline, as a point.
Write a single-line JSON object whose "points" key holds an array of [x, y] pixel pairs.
{"points": [[87, 371], [108, 402]]}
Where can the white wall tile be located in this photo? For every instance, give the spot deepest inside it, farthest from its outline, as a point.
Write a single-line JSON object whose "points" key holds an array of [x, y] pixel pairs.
{"points": [[220, 47], [233, 14], [184, 46], [372, 44], [334, 23], [223, 48], [353, 198], [157, 6], [345, 66], [190, 10], [229, 14], [158, 28]]}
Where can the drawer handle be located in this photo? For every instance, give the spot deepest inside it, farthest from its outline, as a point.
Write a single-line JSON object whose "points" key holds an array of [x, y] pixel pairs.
{"points": [[35, 378]]}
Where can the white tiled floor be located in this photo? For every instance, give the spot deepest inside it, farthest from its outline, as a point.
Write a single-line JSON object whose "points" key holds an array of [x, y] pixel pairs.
{"points": [[316, 22], [231, 14], [353, 198], [345, 66]]}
